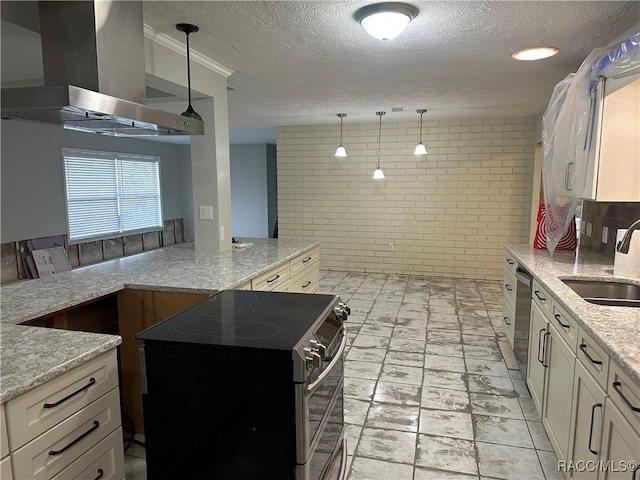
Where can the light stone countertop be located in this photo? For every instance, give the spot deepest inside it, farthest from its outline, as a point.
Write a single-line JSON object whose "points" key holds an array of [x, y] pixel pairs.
{"points": [[32, 355], [616, 329]]}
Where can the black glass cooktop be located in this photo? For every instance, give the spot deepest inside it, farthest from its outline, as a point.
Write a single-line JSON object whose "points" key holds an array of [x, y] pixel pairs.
{"points": [[271, 320]]}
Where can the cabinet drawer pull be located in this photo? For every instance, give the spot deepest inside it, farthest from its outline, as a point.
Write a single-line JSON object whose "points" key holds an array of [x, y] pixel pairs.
{"points": [[96, 425], [506, 320], [542, 299], [306, 260], [616, 387], [271, 280], [544, 349], [509, 261], [306, 284], [563, 325], [583, 347], [593, 413], [92, 381], [100, 473], [541, 349], [508, 287]]}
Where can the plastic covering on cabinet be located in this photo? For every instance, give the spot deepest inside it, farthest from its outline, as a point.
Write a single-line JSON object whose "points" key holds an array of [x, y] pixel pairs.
{"points": [[567, 126]]}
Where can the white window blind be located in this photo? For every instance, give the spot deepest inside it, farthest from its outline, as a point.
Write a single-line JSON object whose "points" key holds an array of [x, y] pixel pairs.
{"points": [[111, 194]]}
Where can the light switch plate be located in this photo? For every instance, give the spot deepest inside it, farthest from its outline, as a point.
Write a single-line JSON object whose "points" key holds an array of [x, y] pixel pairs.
{"points": [[589, 228], [605, 234], [221, 234], [206, 212]]}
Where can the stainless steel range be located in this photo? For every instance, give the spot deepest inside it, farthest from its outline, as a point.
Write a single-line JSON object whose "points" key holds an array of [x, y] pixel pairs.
{"points": [[247, 385]]}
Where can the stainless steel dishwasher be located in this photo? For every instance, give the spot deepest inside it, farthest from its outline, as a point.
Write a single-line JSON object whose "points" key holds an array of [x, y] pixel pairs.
{"points": [[521, 327]]}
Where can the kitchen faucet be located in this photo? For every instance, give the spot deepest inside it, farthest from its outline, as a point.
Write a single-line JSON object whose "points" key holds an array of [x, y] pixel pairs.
{"points": [[623, 245]]}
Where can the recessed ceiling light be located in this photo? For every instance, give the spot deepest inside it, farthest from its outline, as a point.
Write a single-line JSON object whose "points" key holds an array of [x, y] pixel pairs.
{"points": [[536, 53], [385, 20]]}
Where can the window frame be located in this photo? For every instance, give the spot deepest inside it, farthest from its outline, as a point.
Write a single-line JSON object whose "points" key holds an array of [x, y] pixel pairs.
{"points": [[114, 156]]}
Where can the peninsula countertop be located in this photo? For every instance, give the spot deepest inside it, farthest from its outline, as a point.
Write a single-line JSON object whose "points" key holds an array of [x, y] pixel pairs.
{"points": [[616, 329], [178, 268], [32, 355]]}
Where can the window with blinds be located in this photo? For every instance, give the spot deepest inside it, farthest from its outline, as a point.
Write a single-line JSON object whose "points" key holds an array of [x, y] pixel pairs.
{"points": [[111, 194]]}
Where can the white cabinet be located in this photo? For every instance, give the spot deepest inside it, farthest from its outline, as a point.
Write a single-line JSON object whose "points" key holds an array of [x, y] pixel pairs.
{"points": [[536, 365], [52, 427], [587, 411], [509, 290], [620, 445], [614, 157], [556, 409], [5, 469], [270, 280]]}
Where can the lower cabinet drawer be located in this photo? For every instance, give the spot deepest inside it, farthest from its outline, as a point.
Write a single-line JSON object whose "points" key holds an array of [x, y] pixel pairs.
{"points": [[624, 393], [306, 281], [104, 461], [52, 451], [4, 438], [303, 261], [40, 409], [5, 469], [270, 280], [282, 287]]}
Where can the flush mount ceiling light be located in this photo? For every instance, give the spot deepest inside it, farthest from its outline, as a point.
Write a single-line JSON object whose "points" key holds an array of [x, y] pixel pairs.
{"points": [[379, 174], [187, 28], [385, 20], [420, 148], [341, 151], [536, 53]]}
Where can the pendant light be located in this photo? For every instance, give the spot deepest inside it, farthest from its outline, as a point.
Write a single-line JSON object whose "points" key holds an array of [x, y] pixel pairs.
{"points": [[420, 148], [187, 28], [379, 174], [341, 151]]}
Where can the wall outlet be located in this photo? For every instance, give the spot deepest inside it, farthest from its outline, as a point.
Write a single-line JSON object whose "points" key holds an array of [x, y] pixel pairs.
{"points": [[390, 247], [605, 234], [206, 212], [588, 229], [221, 234]]}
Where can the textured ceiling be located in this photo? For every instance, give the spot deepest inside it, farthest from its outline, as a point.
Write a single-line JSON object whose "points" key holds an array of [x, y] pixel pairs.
{"points": [[301, 62]]}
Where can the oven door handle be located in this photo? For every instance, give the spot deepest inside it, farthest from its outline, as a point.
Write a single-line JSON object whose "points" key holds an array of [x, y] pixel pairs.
{"points": [[336, 359], [344, 460]]}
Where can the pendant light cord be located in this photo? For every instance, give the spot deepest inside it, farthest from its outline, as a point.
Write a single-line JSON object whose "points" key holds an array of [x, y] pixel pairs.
{"points": [[341, 119], [379, 135], [188, 70], [421, 113]]}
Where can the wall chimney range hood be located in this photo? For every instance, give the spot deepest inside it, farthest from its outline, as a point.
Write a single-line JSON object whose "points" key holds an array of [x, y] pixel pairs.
{"points": [[94, 76]]}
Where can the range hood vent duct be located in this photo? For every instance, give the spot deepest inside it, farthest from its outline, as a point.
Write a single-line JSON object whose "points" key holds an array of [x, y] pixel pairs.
{"points": [[94, 78]]}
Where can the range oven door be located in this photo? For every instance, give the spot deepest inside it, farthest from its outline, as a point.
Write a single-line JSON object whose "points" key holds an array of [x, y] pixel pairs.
{"points": [[320, 418]]}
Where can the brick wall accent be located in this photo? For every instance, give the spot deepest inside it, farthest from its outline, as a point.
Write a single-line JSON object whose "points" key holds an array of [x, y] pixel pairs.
{"points": [[447, 214]]}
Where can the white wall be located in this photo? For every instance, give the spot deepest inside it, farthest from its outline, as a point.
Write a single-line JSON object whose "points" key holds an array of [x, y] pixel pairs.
{"points": [[33, 202], [447, 214], [249, 200]]}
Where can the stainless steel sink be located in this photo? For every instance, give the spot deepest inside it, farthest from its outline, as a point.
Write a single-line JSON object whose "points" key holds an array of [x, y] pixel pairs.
{"points": [[600, 292]]}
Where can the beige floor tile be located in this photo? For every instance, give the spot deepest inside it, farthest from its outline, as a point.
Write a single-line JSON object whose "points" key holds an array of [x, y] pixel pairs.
{"points": [[505, 431], [509, 463], [369, 469], [445, 453], [444, 399], [393, 417], [389, 445], [495, 405], [446, 424], [397, 393]]}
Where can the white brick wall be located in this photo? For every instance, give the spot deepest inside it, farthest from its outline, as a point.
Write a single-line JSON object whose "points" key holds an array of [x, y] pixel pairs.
{"points": [[448, 213]]}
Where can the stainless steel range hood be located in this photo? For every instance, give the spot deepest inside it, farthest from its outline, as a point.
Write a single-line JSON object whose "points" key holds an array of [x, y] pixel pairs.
{"points": [[93, 62]]}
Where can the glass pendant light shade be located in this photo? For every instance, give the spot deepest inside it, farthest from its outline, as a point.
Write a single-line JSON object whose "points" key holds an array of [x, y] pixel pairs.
{"points": [[420, 148], [341, 151], [379, 174], [385, 20]]}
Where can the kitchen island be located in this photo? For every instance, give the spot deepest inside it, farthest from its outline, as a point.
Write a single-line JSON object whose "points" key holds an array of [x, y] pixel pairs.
{"points": [[32, 356]]}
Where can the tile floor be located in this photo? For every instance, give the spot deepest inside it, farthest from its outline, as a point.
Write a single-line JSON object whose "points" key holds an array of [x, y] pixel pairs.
{"points": [[427, 394]]}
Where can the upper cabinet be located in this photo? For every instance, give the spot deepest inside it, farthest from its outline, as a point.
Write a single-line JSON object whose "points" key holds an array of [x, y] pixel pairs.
{"points": [[613, 170]]}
